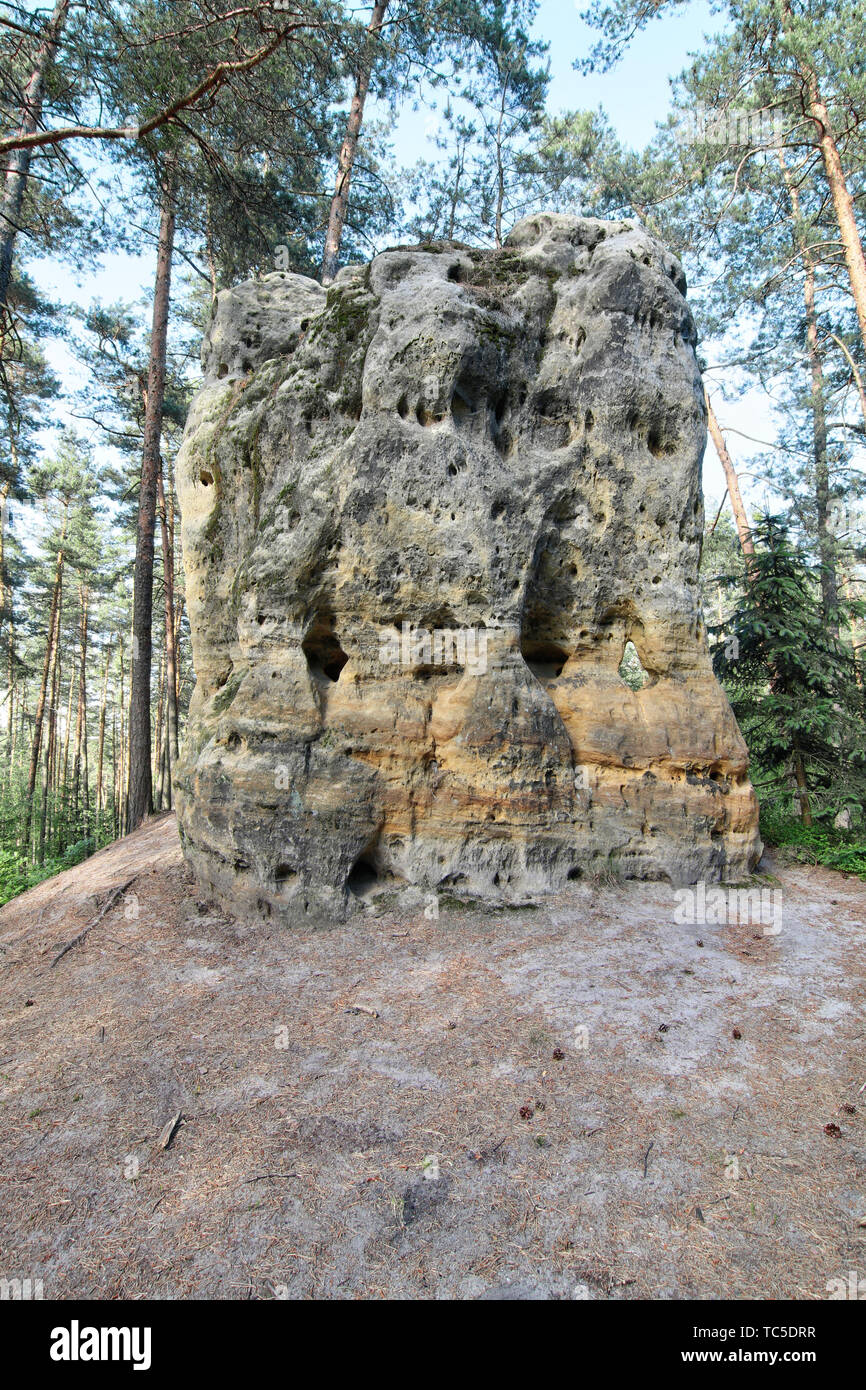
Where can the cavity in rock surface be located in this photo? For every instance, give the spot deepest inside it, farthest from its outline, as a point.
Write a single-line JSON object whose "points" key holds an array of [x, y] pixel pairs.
{"points": [[424, 514]]}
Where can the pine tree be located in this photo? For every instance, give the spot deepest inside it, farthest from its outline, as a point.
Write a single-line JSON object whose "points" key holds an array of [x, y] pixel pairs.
{"points": [[795, 687], [488, 178]]}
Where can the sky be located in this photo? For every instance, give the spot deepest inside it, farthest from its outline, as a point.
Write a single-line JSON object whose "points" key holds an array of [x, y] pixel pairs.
{"points": [[637, 92], [636, 95]]}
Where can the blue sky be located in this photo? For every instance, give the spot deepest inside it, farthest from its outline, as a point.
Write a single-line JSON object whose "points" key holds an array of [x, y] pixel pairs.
{"points": [[635, 94]]}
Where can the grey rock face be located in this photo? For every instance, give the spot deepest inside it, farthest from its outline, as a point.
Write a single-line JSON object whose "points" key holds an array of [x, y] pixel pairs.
{"points": [[423, 515]]}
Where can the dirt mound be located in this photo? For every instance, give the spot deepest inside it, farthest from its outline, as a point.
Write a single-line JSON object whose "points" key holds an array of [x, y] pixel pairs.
{"points": [[583, 1100]]}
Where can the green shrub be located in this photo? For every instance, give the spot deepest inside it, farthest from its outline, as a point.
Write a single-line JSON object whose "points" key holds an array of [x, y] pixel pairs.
{"points": [[16, 878], [815, 844]]}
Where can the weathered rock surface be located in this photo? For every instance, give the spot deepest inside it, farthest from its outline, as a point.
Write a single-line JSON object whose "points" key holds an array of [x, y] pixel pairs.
{"points": [[498, 447]]}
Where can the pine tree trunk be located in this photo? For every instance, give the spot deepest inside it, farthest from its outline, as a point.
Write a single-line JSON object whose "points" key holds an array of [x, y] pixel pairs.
{"points": [[57, 736], [100, 753], [500, 167], [6, 614], [843, 203], [158, 740], [13, 728], [64, 763], [18, 165], [210, 255], [80, 723], [455, 192], [54, 739], [161, 776], [21, 717], [826, 547], [741, 519], [5, 605], [36, 740], [115, 799], [340, 200], [140, 792], [48, 761], [120, 792]]}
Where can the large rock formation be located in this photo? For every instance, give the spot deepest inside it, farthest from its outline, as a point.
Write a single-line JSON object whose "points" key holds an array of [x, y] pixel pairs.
{"points": [[423, 515]]}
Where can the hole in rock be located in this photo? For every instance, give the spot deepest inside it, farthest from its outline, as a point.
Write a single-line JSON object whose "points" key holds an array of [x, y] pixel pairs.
{"points": [[207, 478], [461, 408], [451, 881], [544, 659], [550, 602], [631, 670], [659, 443], [574, 873], [284, 873], [325, 656], [362, 877], [504, 441], [222, 370]]}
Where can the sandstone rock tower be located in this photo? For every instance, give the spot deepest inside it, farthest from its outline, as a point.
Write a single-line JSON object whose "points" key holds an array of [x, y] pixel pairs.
{"points": [[423, 515]]}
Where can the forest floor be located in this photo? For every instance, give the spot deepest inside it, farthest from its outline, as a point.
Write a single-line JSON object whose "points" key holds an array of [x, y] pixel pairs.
{"points": [[381, 1108]]}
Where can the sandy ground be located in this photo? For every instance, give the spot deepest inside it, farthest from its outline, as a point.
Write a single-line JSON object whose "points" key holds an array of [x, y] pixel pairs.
{"points": [[434, 1144]]}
